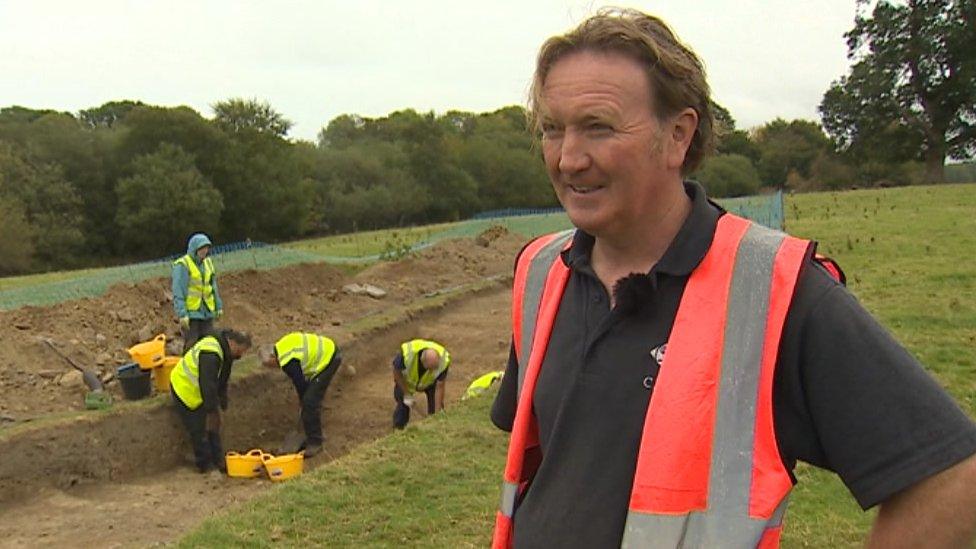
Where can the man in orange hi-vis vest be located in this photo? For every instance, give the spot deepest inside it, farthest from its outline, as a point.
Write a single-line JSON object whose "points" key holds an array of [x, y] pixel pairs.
{"points": [[672, 362]]}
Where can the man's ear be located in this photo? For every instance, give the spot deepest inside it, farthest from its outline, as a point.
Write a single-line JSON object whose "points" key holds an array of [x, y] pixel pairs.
{"points": [[678, 135]]}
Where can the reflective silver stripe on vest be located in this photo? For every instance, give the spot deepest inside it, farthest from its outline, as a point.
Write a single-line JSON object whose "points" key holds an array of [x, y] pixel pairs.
{"points": [[727, 522], [509, 491], [309, 361], [535, 283], [195, 380]]}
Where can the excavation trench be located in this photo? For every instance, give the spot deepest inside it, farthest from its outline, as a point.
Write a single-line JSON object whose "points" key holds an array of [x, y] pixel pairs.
{"points": [[124, 477]]}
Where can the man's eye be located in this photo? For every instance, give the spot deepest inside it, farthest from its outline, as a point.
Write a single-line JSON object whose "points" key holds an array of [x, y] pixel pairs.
{"points": [[550, 130], [599, 127]]}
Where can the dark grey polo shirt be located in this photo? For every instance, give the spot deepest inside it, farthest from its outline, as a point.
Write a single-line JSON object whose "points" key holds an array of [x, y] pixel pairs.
{"points": [[847, 397]]}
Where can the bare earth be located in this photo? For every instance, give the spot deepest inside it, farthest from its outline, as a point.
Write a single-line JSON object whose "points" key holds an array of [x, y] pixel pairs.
{"points": [[123, 479]]}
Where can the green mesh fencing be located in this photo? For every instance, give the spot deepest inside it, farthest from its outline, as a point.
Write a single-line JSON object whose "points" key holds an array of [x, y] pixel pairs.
{"points": [[765, 209], [96, 283]]}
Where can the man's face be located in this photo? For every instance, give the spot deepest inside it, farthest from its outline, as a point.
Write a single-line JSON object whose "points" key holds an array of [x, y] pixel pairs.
{"points": [[602, 142], [202, 251]]}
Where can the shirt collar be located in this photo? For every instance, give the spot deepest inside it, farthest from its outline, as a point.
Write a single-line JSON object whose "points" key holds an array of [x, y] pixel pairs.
{"points": [[683, 254]]}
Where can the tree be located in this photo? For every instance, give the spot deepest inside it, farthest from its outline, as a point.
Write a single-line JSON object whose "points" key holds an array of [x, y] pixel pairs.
{"points": [[109, 114], [165, 199], [786, 147], [728, 175], [237, 114], [914, 76], [17, 244], [85, 158], [342, 131], [51, 206], [17, 114]]}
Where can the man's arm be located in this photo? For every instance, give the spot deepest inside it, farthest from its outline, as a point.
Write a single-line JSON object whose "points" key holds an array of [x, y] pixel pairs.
{"points": [[218, 303], [503, 409], [293, 368], [401, 382], [939, 511], [439, 390], [223, 380], [209, 380]]}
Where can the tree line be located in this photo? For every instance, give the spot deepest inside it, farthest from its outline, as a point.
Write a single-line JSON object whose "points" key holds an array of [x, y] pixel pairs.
{"points": [[127, 181]]}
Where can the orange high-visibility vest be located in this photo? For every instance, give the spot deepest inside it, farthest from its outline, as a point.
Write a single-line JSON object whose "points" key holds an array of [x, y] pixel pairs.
{"points": [[709, 472]]}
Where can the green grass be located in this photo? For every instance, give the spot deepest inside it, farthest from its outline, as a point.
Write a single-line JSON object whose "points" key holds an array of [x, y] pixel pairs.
{"points": [[433, 485], [908, 253], [367, 243], [11, 282], [916, 275]]}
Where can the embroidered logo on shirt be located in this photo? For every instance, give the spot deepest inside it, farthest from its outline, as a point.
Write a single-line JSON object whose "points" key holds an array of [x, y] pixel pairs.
{"points": [[657, 353]]}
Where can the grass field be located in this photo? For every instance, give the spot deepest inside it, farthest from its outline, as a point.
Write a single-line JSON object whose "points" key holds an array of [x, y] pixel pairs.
{"points": [[908, 255]]}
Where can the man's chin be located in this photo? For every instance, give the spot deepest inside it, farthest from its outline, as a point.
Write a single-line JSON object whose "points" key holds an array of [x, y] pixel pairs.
{"points": [[588, 222]]}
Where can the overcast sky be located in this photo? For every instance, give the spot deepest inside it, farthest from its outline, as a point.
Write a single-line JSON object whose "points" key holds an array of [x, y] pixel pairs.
{"points": [[314, 60]]}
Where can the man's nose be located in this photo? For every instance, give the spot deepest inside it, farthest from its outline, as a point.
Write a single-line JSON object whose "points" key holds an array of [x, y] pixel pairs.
{"points": [[573, 154]]}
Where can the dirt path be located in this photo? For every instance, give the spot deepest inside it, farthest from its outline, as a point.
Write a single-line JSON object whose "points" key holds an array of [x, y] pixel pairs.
{"points": [[144, 498]]}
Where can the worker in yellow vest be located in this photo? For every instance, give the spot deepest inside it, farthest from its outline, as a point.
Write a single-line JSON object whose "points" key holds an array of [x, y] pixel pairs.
{"points": [[482, 384], [311, 361], [195, 297], [199, 387], [420, 366]]}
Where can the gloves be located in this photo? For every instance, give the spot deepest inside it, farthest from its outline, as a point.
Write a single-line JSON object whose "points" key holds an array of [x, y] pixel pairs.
{"points": [[185, 322], [408, 401], [218, 314]]}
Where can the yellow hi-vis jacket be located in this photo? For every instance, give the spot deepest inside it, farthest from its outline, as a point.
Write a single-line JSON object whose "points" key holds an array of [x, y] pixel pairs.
{"points": [[482, 384], [417, 377], [200, 287], [185, 377], [314, 352]]}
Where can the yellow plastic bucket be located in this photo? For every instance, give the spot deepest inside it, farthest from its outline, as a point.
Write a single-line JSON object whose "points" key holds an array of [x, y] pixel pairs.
{"points": [[247, 465], [149, 354], [285, 466], [161, 373]]}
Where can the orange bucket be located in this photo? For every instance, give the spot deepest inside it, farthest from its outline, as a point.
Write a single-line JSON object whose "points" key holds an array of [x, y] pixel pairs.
{"points": [[284, 467], [247, 465], [149, 354], [161, 373]]}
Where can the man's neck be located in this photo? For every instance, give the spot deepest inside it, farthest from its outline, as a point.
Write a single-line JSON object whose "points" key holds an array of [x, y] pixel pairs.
{"points": [[639, 248]]}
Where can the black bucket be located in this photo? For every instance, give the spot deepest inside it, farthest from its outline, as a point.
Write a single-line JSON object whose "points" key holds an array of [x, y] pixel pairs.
{"points": [[136, 382]]}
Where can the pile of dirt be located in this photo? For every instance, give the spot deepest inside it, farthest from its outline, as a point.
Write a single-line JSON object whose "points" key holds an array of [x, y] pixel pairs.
{"points": [[96, 332], [125, 478], [449, 263]]}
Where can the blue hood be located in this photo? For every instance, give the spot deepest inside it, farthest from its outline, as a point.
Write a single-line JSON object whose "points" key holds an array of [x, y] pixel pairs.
{"points": [[197, 241]]}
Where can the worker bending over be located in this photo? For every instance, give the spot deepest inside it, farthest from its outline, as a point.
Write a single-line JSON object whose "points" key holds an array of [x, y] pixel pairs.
{"points": [[199, 387], [311, 362], [420, 365]]}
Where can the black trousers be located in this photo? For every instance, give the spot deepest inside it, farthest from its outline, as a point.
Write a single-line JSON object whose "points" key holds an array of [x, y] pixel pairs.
{"points": [[198, 328], [312, 404], [401, 414], [208, 451]]}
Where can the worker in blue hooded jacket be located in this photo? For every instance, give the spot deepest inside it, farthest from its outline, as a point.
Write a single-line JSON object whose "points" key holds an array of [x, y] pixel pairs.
{"points": [[195, 296]]}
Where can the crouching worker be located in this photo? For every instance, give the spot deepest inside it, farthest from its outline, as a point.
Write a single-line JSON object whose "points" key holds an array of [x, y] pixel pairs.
{"points": [[420, 366], [199, 387], [311, 362]]}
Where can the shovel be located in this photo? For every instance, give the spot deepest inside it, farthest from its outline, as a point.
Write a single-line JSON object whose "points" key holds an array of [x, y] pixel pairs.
{"points": [[96, 398]]}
